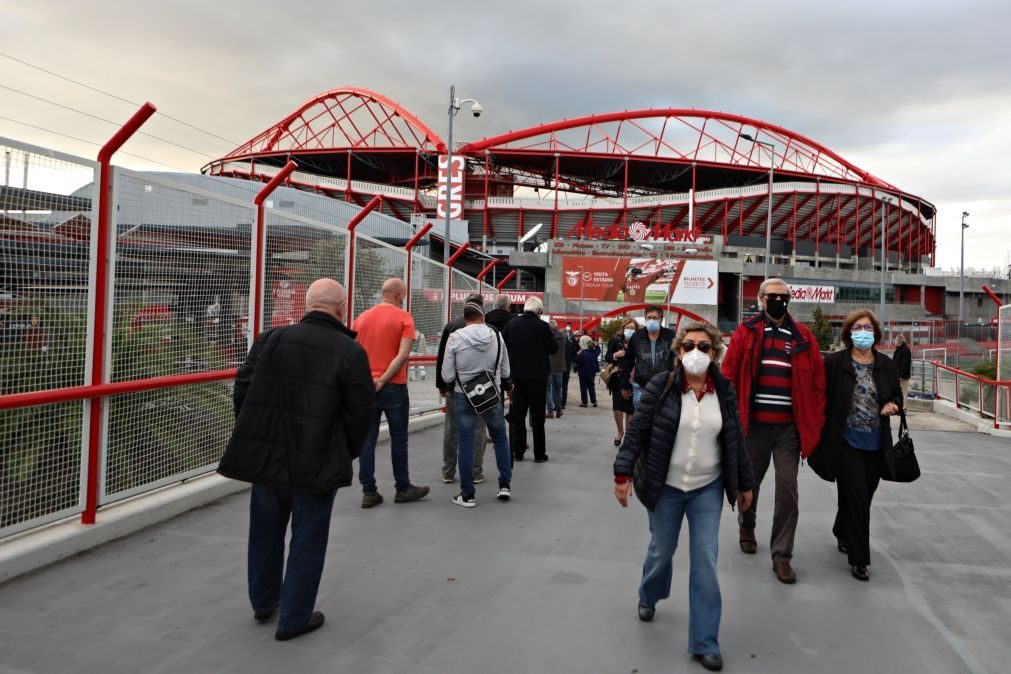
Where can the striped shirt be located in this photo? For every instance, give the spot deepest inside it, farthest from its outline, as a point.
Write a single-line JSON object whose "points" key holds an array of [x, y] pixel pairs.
{"points": [[773, 400]]}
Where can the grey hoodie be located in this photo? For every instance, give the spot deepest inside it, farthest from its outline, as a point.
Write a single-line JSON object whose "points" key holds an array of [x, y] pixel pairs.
{"points": [[471, 351]]}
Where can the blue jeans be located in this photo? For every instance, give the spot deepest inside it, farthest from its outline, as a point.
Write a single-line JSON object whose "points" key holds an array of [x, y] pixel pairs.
{"points": [[393, 401], [270, 508], [466, 417], [554, 393], [703, 508], [636, 395]]}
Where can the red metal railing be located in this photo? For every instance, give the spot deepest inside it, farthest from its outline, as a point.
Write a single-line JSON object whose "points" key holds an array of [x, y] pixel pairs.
{"points": [[970, 391]]}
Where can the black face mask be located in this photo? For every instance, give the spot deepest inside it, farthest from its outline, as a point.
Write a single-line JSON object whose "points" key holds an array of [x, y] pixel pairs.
{"points": [[776, 308]]}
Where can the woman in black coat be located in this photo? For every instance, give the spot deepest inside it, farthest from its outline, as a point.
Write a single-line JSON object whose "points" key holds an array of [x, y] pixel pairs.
{"points": [[615, 352], [862, 392], [686, 475]]}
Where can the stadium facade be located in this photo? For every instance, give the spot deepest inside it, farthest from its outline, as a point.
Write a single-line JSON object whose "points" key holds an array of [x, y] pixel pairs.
{"points": [[664, 205]]}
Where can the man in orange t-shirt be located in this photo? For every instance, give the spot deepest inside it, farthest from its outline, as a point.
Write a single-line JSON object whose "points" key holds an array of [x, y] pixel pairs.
{"points": [[386, 332]]}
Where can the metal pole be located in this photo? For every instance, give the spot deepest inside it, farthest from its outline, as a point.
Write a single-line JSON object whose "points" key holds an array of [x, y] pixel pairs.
{"points": [[768, 220], [961, 279], [449, 169], [581, 282], [881, 305]]}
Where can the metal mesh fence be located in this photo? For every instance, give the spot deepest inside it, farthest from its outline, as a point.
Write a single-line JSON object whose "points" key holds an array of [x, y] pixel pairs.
{"points": [[374, 263], [1004, 364], [47, 212], [945, 384], [297, 253], [428, 288], [463, 285], [180, 299]]}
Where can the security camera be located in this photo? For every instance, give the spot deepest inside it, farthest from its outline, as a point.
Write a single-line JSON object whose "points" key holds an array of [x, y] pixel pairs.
{"points": [[476, 109]]}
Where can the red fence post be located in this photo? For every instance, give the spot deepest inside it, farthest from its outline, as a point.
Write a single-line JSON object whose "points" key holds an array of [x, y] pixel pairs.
{"points": [[409, 247], [259, 242], [449, 277], [355, 221], [484, 272], [508, 277], [104, 236]]}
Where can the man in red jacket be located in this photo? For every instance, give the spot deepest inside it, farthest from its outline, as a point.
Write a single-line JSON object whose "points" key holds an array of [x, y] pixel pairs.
{"points": [[776, 367]]}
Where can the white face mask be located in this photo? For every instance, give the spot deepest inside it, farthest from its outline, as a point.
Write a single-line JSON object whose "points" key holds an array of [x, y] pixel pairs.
{"points": [[696, 363]]}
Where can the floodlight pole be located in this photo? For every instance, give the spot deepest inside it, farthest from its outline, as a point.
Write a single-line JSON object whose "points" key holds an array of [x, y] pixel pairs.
{"points": [[454, 107], [961, 278], [884, 261], [768, 216], [581, 282]]}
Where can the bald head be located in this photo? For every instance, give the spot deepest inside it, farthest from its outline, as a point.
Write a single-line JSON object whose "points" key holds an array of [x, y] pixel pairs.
{"points": [[328, 296], [394, 291]]}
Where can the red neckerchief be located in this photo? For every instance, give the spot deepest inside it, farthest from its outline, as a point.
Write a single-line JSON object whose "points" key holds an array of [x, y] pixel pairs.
{"points": [[706, 387]]}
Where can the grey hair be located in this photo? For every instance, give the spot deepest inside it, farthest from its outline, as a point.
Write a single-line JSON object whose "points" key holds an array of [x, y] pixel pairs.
{"points": [[771, 281], [502, 302], [534, 304], [585, 341], [715, 336]]}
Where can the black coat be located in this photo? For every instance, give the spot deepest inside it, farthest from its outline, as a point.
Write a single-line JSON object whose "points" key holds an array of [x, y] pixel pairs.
{"points": [[450, 328], [530, 342], [617, 343], [499, 318], [649, 440], [903, 359], [840, 380], [304, 402], [637, 357]]}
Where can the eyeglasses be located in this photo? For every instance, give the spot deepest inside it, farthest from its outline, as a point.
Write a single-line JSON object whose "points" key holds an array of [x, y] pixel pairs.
{"points": [[862, 328], [777, 296], [688, 346]]}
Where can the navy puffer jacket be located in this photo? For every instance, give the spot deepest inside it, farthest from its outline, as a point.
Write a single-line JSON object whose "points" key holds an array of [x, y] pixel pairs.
{"points": [[649, 441]]}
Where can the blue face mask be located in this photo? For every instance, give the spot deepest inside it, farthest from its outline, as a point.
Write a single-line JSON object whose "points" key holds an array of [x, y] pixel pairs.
{"points": [[652, 325], [629, 333], [862, 340]]}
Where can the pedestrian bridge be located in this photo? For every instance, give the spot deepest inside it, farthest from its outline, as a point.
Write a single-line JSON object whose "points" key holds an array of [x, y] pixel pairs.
{"points": [[544, 583]]}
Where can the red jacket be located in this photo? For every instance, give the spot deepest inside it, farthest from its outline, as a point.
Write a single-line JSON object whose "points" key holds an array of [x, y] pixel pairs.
{"points": [[807, 377]]}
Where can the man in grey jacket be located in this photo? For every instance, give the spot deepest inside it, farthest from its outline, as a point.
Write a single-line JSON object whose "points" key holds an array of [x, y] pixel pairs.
{"points": [[471, 351]]}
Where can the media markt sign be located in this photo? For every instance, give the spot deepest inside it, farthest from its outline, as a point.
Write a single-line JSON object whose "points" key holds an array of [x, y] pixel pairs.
{"points": [[637, 231], [812, 294]]}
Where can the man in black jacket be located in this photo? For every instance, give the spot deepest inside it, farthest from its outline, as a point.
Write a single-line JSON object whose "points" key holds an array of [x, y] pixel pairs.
{"points": [[304, 400], [903, 359], [530, 342], [450, 440], [500, 316], [648, 354], [570, 354]]}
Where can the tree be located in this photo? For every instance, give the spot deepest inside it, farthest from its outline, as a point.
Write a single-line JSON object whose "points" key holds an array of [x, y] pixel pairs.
{"points": [[608, 329], [822, 329]]}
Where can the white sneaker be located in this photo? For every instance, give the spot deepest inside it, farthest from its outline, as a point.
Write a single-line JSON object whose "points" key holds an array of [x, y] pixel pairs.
{"points": [[504, 493], [448, 479], [465, 500], [479, 480]]}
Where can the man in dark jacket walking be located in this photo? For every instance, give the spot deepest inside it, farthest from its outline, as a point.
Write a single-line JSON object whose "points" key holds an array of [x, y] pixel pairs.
{"points": [[570, 355], [500, 316], [529, 341], [903, 359], [303, 402], [776, 367], [648, 354]]}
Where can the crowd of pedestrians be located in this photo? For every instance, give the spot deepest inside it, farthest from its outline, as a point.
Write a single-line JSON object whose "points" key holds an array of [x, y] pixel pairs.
{"points": [[695, 422]]}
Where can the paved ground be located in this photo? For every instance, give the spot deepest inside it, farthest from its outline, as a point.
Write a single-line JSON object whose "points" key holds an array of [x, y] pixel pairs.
{"points": [[545, 583]]}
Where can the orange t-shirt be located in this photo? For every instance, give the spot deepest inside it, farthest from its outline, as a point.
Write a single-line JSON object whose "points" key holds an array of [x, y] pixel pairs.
{"points": [[380, 330]]}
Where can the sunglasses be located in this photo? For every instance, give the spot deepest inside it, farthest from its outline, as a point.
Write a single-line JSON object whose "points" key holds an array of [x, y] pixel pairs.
{"points": [[688, 346], [862, 328], [777, 296]]}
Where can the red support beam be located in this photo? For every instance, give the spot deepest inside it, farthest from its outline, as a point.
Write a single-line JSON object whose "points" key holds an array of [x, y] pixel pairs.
{"points": [[484, 272], [508, 277], [355, 221], [409, 247]]}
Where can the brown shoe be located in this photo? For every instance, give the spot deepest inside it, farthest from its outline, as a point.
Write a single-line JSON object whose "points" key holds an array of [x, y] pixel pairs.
{"points": [[749, 545], [410, 494], [784, 572]]}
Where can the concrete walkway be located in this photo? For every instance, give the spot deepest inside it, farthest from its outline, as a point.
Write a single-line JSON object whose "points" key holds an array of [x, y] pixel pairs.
{"points": [[545, 583]]}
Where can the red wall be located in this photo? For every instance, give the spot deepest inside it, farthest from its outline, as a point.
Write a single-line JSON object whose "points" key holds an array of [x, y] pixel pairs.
{"points": [[933, 300]]}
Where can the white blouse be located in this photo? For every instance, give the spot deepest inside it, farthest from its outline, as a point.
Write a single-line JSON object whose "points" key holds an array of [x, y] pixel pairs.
{"points": [[695, 460]]}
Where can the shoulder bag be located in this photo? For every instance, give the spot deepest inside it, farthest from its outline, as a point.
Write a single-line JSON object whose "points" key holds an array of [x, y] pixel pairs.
{"points": [[900, 463], [481, 390]]}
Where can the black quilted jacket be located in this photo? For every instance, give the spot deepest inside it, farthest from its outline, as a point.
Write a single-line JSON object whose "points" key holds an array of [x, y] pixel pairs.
{"points": [[649, 441]]}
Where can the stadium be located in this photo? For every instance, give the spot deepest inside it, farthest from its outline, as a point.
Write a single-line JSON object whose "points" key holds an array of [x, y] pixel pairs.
{"points": [[646, 191]]}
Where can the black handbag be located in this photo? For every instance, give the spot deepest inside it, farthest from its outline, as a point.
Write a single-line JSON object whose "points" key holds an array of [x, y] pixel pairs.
{"points": [[900, 461], [481, 390]]}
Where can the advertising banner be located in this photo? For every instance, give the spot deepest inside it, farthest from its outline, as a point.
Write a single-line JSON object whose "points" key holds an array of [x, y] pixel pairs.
{"points": [[450, 188], [287, 301], [640, 280], [812, 294]]}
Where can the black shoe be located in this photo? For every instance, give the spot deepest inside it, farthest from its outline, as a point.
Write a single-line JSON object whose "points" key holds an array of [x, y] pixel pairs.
{"points": [[264, 616], [465, 500], [646, 613], [541, 459], [504, 492], [860, 573], [517, 457], [841, 547], [315, 622], [713, 661]]}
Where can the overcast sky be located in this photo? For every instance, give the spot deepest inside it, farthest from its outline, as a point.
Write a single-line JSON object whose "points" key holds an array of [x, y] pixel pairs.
{"points": [[917, 92]]}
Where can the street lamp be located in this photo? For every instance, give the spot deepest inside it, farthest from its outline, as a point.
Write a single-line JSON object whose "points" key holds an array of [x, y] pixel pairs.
{"points": [[961, 278], [581, 281], [768, 217], [884, 261], [454, 107]]}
